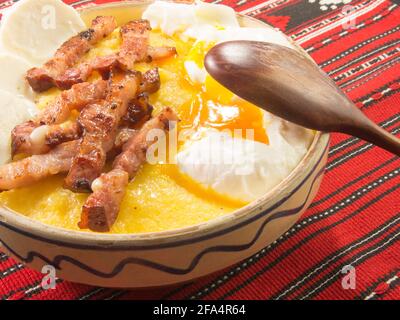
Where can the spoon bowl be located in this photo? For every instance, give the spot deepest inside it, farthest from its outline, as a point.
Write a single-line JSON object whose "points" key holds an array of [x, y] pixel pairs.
{"points": [[286, 83]]}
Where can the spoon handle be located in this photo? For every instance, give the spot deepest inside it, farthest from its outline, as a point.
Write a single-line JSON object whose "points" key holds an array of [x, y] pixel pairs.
{"points": [[371, 132]]}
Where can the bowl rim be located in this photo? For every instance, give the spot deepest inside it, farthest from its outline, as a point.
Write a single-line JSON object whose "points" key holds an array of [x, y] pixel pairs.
{"points": [[74, 238]]}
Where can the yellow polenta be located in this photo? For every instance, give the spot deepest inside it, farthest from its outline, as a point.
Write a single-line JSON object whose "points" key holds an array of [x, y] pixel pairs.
{"points": [[158, 198]]}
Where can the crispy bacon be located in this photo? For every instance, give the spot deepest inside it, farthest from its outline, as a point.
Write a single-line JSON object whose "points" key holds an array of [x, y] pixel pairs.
{"points": [[32, 169], [102, 207], [41, 79], [135, 48], [139, 111], [29, 170], [100, 123], [56, 112], [42, 139], [151, 81], [82, 72], [124, 134], [135, 42], [135, 45], [134, 152], [58, 134], [158, 53]]}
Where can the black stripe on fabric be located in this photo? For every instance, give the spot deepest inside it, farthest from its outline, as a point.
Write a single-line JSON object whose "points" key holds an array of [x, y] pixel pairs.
{"points": [[361, 257], [173, 292], [278, 5], [355, 152], [351, 183], [339, 147], [317, 25], [300, 226], [11, 270], [392, 285], [385, 95], [91, 293], [372, 286], [356, 47], [324, 17], [360, 71], [368, 74], [364, 55], [334, 257], [22, 289], [115, 295], [39, 290], [310, 49], [239, 7], [304, 241], [3, 257]]}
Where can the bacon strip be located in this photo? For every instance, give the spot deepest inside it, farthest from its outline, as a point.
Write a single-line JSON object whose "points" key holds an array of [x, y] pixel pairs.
{"points": [[151, 81], [81, 73], [41, 79], [42, 139], [135, 48], [29, 170], [158, 53], [139, 111], [77, 97], [102, 207], [100, 123], [135, 45], [135, 42], [32, 169]]}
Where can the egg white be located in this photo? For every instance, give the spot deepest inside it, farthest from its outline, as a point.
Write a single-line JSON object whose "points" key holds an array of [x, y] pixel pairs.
{"points": [[243, 169]]}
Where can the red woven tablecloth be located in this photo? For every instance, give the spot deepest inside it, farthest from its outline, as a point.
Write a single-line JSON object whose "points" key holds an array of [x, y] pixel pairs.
{"points": [[355, 219]]}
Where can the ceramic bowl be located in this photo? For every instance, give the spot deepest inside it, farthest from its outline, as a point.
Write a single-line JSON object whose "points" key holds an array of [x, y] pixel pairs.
{"points": [[166, 258]]}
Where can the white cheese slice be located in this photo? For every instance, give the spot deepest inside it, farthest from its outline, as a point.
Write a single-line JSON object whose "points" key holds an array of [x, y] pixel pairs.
{"points": [[35, 29], [12, 75]]}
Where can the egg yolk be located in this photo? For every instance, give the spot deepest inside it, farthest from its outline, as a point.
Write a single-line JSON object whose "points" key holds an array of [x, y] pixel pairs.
{"points": [[214, 106]]}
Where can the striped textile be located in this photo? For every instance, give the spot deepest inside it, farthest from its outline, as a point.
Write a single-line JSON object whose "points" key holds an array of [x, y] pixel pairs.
{"points": [[355, 219]]}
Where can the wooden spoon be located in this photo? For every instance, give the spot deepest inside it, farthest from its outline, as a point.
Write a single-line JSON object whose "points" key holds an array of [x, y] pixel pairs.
{"points": [[291, 86]]}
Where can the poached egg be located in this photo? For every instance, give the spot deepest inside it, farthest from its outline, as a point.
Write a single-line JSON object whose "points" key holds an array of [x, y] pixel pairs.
{"points": [[235, 168]]}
